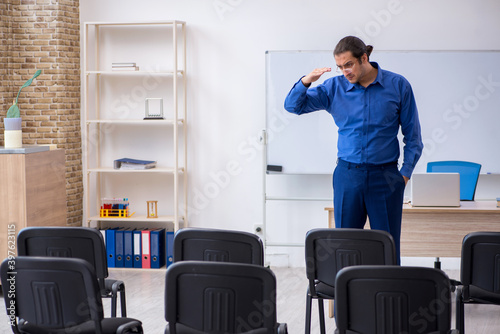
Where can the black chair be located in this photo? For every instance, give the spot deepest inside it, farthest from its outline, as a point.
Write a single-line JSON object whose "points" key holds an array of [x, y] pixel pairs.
{"points": [[57, 295], [392, 299], [202, 244], [220, 298], [78, 242], [479, 273], [329, 250]]}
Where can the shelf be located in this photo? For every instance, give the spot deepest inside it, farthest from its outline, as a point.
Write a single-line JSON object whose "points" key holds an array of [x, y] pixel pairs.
{"points": [[138, 218], [151, 170], [135, 23], [179, 72], [136, 121], [159, 49]]}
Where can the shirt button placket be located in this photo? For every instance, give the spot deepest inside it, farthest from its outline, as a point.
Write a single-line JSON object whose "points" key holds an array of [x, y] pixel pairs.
{"points": [[365, 126]]}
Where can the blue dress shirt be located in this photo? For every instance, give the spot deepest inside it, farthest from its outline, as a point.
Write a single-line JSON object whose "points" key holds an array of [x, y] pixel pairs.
{"points": [[368, 119]]}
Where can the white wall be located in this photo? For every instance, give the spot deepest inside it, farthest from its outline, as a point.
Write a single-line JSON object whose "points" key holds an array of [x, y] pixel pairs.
{"points": [[227, 40]]}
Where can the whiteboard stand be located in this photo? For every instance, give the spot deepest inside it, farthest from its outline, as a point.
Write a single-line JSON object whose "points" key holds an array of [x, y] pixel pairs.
{"points": [[266, 198]]}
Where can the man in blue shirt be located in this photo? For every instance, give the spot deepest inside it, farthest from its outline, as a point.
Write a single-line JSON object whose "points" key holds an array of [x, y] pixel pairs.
{"points": [[369, 105]]}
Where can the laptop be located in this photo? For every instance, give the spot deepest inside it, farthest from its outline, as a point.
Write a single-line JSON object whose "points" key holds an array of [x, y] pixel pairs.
{"points": [[435, 189]]}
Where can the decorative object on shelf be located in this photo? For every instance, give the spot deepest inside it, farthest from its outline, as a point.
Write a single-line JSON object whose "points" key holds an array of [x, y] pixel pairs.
{"points": [[154, 108], [13, 136], [152, 209], [115, 208]]}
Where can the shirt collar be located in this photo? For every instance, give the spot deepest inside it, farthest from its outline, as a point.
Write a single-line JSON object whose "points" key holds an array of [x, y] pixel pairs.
{"points": [[378, 79], [380, 75]]}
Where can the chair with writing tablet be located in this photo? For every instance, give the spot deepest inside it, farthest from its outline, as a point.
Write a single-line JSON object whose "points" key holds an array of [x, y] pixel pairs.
{"points": [[469, 175]]}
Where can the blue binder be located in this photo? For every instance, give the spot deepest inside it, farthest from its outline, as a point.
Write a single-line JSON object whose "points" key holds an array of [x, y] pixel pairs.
{"points": [[128, 248], [110, 247], [169, 247], [119, 250], [137, 249], [157, 248]]}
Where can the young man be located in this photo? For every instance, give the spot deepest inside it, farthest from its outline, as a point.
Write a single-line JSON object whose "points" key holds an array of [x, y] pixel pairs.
{"points": [[368, 104]]}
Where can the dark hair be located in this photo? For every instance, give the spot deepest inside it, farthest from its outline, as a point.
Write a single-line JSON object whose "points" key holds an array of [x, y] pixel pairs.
{"points": [[351, 43]]}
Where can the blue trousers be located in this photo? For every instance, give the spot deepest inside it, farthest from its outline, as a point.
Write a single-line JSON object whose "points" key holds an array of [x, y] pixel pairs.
{"points": [[376, 191]]}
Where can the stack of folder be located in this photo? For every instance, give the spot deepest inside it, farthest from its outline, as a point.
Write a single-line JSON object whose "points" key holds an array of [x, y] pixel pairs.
{"points": [[138, 247]]}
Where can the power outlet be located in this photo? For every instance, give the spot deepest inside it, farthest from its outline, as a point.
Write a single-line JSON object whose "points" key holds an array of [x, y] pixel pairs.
{"points": [[258, 228]]}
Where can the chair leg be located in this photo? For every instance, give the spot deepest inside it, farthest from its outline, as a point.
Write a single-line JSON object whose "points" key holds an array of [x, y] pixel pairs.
{"points": [[118, 286], [123, 302], [113, 304], [308, 314], [460, 312], [321, 311]]}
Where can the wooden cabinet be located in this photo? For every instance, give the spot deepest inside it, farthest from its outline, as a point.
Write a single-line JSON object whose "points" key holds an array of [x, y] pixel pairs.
{"points": [[32, 192]]}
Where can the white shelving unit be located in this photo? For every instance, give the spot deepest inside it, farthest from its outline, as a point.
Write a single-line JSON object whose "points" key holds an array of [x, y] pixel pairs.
{"points": [[112, 119]]}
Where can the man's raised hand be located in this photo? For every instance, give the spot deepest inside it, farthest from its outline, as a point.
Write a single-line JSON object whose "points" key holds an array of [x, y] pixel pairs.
{"points": [[315, 75]]}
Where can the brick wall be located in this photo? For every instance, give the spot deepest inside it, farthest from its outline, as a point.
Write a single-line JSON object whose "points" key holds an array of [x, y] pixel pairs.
{"points": [[45, 35]]}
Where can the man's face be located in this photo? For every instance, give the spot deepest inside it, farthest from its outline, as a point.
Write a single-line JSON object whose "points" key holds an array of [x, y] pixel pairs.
{"points": [[350, 67]]}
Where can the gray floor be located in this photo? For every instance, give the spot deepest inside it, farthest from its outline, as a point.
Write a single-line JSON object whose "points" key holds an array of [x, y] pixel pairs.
{"points": [[145, 294]]}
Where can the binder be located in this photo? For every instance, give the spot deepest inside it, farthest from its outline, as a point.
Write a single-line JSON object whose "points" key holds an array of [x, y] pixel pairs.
{"points": [[128, 247], [137, 249], [157, 248], [103, 233], [119, 262], [169, 247], [110, 247], [146, 250]]}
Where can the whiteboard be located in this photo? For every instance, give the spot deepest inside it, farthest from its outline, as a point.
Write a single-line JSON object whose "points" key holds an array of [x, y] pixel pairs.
{"points": [[457, 95]]}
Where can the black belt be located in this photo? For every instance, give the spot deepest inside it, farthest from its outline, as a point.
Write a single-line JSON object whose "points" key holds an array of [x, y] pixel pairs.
{"points": [[365, 166]]}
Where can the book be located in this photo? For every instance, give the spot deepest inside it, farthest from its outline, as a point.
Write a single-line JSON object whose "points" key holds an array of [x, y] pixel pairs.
{"points": [[127, 166], [133, 164], [124, 67], [123, 64]]}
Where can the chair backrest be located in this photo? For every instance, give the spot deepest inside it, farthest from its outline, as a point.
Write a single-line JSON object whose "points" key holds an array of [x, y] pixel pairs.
{"points": [[329, 250], [392, 299], [76, 242], [481, 261], [220, 297], [200, 244], [50, 293], [469, 175]]}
